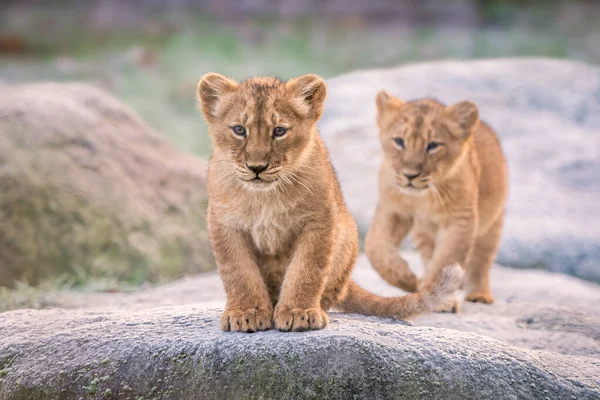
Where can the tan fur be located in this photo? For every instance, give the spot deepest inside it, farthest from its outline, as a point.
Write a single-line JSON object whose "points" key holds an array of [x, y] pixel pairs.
{"points": [[284, 242], [455, 206]]}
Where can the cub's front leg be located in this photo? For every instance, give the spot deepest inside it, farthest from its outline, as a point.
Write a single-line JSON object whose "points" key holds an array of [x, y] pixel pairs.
{"points": [[454, 245], [298, 308], [387, 232], [454, 242], [248, 307]]}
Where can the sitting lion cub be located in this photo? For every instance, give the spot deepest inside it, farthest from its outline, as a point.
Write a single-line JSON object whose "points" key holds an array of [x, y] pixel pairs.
{"points": [[443, 179], [284, 242]]}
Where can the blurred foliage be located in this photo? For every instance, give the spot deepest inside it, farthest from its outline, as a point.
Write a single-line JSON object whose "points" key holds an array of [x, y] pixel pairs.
{"points": [[154, 65]]}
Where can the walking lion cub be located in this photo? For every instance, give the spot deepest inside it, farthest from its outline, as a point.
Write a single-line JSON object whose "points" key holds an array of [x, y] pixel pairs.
{"points": [[443, 179], [284, 242]]}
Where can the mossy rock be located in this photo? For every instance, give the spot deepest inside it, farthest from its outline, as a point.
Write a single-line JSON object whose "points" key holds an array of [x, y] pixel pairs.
{"points": [[180, 353], [88, 190]]}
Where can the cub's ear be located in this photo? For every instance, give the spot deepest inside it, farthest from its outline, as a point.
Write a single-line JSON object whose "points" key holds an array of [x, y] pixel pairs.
{"points": [[213, 89], [466, 115], [386, 101], [308, 95]]}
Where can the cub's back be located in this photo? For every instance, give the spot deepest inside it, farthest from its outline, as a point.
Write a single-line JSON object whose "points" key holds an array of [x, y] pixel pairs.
{"points": [[493, 182]]}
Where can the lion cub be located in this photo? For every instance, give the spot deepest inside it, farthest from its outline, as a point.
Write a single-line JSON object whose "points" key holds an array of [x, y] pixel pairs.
{"points": [[284, 242], [443, 179]]}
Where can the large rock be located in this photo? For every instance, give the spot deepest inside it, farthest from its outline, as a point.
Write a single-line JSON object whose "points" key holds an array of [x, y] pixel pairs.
{"points": [[179, 353], [89, 190], [540, 340], [547, 114]]}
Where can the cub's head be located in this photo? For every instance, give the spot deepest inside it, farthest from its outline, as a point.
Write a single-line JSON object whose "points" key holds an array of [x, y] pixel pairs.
{"points": [[261, 127], [422, 140]]}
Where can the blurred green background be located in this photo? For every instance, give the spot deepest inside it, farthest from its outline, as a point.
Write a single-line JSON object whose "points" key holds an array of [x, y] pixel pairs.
{"points": [[151, 53]]}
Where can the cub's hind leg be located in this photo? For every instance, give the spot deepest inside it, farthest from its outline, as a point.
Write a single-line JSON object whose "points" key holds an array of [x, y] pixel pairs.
{"points": [[477, 271], [342, 263]]}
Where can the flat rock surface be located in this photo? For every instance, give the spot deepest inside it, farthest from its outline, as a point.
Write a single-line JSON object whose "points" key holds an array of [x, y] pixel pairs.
{"points": [[178, 352], [541, 339], [547, 115]]}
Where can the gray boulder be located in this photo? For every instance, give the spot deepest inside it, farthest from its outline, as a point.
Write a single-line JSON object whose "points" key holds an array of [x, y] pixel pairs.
{"points": [[179, 353], [539, 340], [90, 191], [547, 114]]}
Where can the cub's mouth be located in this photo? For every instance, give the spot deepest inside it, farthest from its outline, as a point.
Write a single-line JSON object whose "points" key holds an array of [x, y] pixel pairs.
{"points": [[412, 190], [413, 187], [258, 183], [258, 179]]}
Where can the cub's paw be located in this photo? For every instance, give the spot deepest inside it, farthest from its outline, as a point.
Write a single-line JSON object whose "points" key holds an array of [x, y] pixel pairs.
{"points": [[409, 283], [453, 307], [480, 297], [248, 320], [299, 319]]}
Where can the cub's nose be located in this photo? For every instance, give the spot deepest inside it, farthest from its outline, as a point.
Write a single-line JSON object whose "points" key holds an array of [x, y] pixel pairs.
{"points": [[257, 168], [410, 175]]}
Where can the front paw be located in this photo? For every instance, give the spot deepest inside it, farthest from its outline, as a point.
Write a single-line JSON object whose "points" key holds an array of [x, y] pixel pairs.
{"points": [[480, 297], [453, 307], [409, 283], [248, 320], [299, 319], [405, 278]]}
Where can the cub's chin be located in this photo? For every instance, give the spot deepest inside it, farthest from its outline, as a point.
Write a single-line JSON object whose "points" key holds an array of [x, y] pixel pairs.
{"points": [[259, 184], [413, 191]]}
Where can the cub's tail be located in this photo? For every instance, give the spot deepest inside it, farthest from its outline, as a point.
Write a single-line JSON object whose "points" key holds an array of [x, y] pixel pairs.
{"points": [[431, 298]]}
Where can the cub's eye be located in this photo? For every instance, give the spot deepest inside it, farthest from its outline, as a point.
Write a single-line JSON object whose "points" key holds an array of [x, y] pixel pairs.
{"points": [[279, 131], [399, 142], [431, 146], [239, 130]]}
